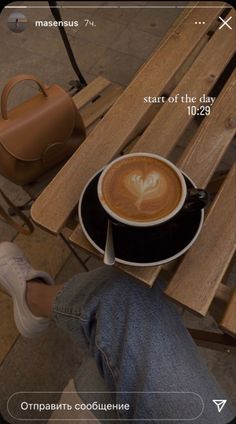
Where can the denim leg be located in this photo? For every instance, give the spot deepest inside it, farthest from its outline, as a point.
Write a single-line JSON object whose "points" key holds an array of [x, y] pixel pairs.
{"points": [[140, 345]]}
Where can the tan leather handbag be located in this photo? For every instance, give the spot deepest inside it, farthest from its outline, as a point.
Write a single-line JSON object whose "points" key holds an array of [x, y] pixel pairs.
{"points": [[39, 133]]}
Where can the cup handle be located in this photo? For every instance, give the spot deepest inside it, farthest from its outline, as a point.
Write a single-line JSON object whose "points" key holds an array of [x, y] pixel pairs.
{"points": [[196, 199]]}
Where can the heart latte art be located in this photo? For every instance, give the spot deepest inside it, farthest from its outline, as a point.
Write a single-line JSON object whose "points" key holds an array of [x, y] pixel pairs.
{"points": [[141, 188]]}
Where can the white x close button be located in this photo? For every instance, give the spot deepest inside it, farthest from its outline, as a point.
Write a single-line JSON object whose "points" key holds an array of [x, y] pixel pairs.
{"points": [[225, 22]]}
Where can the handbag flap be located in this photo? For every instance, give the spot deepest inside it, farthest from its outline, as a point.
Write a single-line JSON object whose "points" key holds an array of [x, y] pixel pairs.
{"points": [[35, 124]]}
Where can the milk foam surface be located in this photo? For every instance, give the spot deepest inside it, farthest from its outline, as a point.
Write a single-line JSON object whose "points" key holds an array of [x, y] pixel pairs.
{"points": [[141, 188]]}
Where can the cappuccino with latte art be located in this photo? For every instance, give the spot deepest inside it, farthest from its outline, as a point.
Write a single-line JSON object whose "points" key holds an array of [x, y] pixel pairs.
{"points": [[141, 189]]}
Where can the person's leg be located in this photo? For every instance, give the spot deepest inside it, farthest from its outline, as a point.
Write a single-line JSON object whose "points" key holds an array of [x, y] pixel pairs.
{"points": [[40, 297], [140, 346]]}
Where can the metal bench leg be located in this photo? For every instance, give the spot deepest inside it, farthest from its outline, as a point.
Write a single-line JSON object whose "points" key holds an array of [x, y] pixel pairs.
{"points": [[74, 252]]}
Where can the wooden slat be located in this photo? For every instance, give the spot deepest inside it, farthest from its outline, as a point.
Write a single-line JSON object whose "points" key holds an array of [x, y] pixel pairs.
{"points": [[224, 293], [197, 279], [90, 92], [228, 322], [161, 138], [220, 301], [94, 111], [147, 275], [121, 123], [216, 341], [210, 142]]}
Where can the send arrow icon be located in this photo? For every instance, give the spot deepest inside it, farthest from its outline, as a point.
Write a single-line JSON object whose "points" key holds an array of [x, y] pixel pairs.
{"points": [[220, 403]]}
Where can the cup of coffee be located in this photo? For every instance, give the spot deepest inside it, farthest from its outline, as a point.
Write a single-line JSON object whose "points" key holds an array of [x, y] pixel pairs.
{"points": [[144, 189]]}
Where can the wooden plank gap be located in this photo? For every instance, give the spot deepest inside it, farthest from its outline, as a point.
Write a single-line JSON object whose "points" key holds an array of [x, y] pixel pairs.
{"points": [[90, 92]]}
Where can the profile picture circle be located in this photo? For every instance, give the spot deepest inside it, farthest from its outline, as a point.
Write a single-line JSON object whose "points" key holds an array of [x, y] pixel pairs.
{"points": [[17, 22]]}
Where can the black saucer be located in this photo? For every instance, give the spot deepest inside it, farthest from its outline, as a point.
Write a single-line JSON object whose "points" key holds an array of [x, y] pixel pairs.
{"points": [[134, 245]]}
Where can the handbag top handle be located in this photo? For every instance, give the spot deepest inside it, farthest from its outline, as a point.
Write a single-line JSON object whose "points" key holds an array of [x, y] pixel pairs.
{"points": [[8, 87]]}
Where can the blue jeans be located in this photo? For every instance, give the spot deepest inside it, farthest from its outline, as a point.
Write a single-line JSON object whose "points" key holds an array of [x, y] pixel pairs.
{"points": [[140, 346]]}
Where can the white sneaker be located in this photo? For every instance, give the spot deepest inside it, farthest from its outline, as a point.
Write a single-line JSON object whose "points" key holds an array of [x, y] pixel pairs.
{"points": [[15, 271]]}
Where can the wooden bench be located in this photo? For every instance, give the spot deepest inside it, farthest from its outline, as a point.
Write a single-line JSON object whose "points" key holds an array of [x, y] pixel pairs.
{"points": [[192, 59]]}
